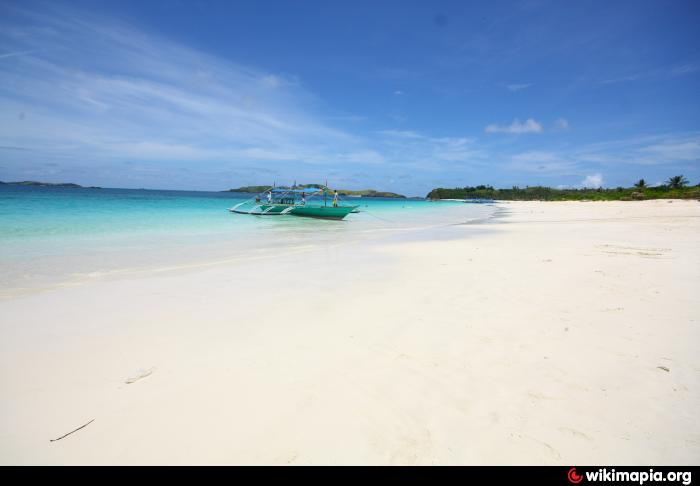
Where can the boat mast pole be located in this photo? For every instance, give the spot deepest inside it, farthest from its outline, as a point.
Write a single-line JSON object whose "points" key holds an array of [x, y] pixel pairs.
{"points": [[325, 188]]}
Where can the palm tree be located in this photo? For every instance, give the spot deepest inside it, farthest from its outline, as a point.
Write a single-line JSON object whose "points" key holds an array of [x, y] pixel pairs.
{"points": [[640, 184], [676, 182]]}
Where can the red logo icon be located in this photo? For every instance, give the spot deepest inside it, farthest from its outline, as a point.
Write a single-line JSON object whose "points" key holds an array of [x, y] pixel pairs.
{"points": [[574, 477]]}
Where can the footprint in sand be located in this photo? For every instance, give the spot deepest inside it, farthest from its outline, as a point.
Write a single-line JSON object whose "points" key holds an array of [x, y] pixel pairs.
{"points": [[574, 432]]}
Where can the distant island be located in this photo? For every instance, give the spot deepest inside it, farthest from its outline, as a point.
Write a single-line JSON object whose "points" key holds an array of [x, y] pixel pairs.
{"points": [[341, 192], [47, 184], [675, 188], [370, 193]]}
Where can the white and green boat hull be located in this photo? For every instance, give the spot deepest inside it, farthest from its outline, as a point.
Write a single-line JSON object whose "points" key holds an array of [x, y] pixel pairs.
{"points": [[307, 211]]}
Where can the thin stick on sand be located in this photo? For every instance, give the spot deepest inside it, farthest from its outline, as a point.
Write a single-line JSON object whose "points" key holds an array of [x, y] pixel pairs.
{"points": [[69, 433]]}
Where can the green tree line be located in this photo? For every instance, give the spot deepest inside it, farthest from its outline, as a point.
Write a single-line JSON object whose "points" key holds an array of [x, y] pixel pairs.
{"points": [[676, 187]]}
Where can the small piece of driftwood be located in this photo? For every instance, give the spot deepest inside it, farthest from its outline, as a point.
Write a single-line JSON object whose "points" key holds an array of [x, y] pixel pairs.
{"points": [[140, 374], [69, 433]]}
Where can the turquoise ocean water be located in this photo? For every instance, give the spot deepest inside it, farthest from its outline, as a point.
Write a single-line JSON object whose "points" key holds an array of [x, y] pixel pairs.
{"points": [[50, 236]]}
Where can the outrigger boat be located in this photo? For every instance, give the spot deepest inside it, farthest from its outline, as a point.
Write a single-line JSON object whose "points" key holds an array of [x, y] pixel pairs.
{"points": [[293, 202]]}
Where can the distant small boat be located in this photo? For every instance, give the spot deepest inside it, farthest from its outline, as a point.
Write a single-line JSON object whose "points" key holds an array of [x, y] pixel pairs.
{"points": [[293, 202], [478, 200]]}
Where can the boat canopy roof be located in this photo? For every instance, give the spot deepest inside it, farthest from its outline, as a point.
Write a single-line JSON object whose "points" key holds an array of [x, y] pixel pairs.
{"points": [[307, 190]]}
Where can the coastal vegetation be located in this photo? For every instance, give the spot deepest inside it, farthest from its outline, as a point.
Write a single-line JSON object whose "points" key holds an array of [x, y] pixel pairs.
{"points": [[676, 187], [677, 182], [341, 192]]}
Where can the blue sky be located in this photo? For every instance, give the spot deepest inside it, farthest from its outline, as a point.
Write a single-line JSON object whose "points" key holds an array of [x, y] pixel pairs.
{"points": [[393, 95]]}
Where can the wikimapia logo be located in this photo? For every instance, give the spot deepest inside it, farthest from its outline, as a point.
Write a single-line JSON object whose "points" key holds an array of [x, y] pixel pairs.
{"points": [[574, 477], [637, 477]]}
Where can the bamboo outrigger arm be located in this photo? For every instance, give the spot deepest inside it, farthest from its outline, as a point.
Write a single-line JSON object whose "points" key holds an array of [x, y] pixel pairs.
{"points": [[233, 209]]}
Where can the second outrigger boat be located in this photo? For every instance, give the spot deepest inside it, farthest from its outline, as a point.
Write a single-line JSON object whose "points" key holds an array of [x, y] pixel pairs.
{"points": [[479, 200], [282, 201]]}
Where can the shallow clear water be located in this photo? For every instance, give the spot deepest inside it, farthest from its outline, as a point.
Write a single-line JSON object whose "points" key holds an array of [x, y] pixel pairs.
{"points": [[52, 235]]}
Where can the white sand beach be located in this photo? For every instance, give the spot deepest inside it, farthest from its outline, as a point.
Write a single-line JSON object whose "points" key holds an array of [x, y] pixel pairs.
{"points": [[562, 333]]}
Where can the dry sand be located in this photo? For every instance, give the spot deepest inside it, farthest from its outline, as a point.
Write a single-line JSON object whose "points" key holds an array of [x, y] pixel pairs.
{"points": [[565, 333]]}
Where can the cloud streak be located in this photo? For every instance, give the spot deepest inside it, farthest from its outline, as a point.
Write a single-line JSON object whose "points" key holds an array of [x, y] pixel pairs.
{"points": [[425, 151], [513, 88], [561, 125], [14, 54], [666, 72], [528, 126]]}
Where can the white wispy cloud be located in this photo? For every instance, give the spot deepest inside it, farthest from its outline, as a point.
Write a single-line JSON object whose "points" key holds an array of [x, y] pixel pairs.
{"points": [[649, 150], [276, 81], [426, 151], [685, 69], [528, 126], [518, 87], [673, 150], [14, 54], [543, 162], [402, 134], [659, 73], [362, 157], [628, 78], [560, 125]]}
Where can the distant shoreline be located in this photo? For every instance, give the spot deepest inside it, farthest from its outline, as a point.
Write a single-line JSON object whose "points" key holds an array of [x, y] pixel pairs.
{"points": [[478, 193], [370, 193], [341, 192], [70, 185]]}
